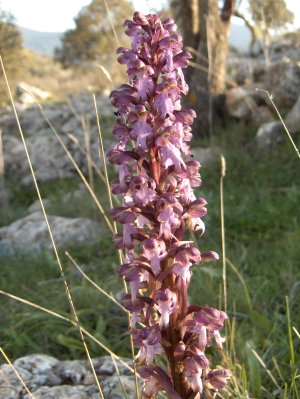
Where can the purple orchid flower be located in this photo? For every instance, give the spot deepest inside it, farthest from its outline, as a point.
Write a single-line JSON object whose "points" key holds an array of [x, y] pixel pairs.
{"points": [[157, 180]]}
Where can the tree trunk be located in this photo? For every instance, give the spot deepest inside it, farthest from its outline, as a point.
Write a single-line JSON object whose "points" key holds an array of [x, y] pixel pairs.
{"points": [[209, 42], [199, 81]]}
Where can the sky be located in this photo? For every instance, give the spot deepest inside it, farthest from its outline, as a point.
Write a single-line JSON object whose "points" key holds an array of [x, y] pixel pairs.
{"points": [[58, 15]]}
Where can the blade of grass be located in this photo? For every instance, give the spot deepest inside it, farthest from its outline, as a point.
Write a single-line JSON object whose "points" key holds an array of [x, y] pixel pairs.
{"points": [[247, 295], [16, 372], [115, 231], [277, 367], [62, 275], [292, 353], [264, 366]]}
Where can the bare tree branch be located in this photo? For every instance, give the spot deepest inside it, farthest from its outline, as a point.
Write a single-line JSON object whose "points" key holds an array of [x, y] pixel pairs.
{"points": [[227, 10], [249, 26]]}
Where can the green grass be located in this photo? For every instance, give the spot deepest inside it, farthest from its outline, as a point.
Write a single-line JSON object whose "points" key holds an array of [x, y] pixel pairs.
{"points": [[262, 221]]}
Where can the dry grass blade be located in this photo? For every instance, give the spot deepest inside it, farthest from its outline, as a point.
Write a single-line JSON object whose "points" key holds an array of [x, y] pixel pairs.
{"points": [[67, 290], [115, 231], [223, 173], [112, 298], [16, 372], [2, 182], [281, 120], [119, 377], [103, 158], [111, 23], [297, 332], [86, 132], [197, 53], [277, 368], [240, 277], [59, 316], [105, 73], [292, 353], [97, 202], [265, 367], [82, 150], [1, 159]]}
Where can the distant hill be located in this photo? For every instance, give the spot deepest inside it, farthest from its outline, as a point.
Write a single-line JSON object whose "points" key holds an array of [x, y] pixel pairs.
{"points": [[45, 42], [41, 42]]}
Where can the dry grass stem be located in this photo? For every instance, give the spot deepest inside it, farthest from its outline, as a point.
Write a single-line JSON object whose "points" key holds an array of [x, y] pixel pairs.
{"points": [[223, 173], [82, 150], [59, 316], [120, 254], [265, 367], [1, 160], [86, 132], [240, 277], [106, 74], [281, 120], [112, 298], [288, 315], [62, 275], [119, 377], [111, 23], [296, 332], [16, 372], [100, 207]]}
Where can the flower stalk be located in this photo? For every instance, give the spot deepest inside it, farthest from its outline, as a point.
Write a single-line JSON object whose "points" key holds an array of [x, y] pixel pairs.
{"points": [[157, 178]]}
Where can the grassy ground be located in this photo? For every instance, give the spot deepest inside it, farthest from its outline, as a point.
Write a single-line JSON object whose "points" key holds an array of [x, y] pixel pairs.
{"points": [[261, 201]]}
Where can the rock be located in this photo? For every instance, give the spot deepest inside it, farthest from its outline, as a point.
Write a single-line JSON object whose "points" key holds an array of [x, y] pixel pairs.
{"points": [[262, 115], [36, 205], [239, 103], [36, 363], [41, 368], [10, 385], [31, 234], [74, 372], [24, 91], [245, 70], [5, 194], [273, 132], [105, 366], [292, 119], [243, 102], [75, 194], [62, 392], [283, 82], [269, 134], [83, 103], [48, 158], [206, 155], [113, 388], [49, 378]]}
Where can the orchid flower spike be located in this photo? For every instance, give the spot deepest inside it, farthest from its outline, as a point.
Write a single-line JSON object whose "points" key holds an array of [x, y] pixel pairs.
{"points": [[156, 180]]}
